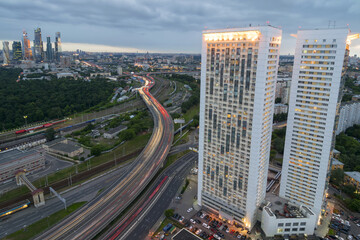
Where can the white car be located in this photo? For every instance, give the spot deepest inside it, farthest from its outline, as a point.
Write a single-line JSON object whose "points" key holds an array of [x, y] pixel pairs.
{"points": [[206, 226], [203, 215], [192, 221], [181, 219], [190, 209], [198, 231], [228, 230]]}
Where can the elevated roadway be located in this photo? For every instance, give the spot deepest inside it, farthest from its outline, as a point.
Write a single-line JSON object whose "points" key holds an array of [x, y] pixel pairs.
{"points": [[87, 222]]}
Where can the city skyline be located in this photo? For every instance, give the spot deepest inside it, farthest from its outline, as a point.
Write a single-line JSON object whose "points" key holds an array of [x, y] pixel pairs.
{"points": [[164, 27]]}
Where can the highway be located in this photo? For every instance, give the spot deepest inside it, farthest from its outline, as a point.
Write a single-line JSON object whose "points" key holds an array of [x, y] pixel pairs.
{"points": [[155, 201], [87, 222]]}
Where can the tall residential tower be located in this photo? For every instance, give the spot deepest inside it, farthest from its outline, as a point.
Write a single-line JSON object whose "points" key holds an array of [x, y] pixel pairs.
{"points": [[57, 46], [49, 50], [27, 52], [319, 64], [38, 46], [6, 52], [238, 78], [16, 50]]}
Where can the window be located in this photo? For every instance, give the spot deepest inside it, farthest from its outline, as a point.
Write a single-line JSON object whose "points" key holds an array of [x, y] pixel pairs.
{"points": [[295, 224], [303, 224], [287, 224], [294, 229], [302, 229], [287, 229], [280, 224]]}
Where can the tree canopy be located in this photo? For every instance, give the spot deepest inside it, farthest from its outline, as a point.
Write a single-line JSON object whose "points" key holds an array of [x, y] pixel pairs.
{"points": [[45, 100]]}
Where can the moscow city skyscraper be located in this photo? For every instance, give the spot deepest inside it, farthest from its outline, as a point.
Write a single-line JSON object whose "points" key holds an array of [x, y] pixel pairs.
{"points": [[6, 52], [38, 45], [16, 50], [320, 61], [49, 50], [238, 78], [27, 52], [57, 46]]}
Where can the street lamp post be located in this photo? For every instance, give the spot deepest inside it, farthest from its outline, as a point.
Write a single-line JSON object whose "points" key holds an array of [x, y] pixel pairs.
{"points": [[25, 117]]}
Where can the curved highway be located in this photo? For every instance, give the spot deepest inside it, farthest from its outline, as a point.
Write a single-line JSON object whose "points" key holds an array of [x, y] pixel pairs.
{"points": [[87, 222]]}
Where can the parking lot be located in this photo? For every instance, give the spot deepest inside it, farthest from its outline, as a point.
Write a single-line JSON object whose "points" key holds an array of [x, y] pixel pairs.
{"points": [[208, 226]]}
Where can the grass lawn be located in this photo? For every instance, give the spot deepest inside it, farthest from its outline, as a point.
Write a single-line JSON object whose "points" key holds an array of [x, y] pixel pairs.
{"points": [[184, 138], [128, 147], [189, 115], [331, 232], [39, 226]]}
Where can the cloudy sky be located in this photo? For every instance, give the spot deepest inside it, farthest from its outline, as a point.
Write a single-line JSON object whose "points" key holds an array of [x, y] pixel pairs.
{"points": [[166, 25]]}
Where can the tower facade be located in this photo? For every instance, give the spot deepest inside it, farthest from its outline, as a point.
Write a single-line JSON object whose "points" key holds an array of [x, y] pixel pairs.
{"points": [[49, 50], [16, 50], [27, 52], [6, 52], [57, 46], [319, 64], [238, 79], [38, 46]]}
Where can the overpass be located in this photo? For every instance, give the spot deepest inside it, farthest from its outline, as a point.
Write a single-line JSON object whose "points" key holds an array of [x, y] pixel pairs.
{"points": [[37, 194]]}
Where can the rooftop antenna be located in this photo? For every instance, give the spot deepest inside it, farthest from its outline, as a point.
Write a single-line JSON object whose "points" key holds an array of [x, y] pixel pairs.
{"points": [[334, 24]]}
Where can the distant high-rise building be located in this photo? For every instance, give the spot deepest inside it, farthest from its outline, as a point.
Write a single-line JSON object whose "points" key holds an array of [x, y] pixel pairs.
{"points": [[320, 60], [119, 70], [38, 46], [238, 78], [6, 52], [16, 50], [49, 50], [27, 52], [57, 46]]}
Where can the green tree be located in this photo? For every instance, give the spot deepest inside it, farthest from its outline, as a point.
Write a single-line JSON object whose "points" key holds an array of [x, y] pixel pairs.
{"points": [[272, 154], [337, 177], [169, 213], [278, 100], [50, 134], [353, 204], [278, 144], [127, 134], [96, 150]]}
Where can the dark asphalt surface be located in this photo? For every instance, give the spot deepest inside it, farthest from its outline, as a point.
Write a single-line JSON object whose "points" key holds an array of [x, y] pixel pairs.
{"points": [[180, 172], [85, 192]]}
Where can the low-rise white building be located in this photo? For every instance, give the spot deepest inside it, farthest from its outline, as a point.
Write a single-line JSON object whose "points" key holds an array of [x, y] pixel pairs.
{"points": [[280, 108], [349, 116], [113, 132], [280, 217], [100, 74]]}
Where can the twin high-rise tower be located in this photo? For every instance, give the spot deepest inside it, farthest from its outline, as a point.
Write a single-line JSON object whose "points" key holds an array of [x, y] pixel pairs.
{"points": [[238, 77], [320, 61]]}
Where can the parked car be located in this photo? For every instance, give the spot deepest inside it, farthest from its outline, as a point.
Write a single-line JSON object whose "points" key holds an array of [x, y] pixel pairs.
{"points": [[192, 221], [190, 209]]}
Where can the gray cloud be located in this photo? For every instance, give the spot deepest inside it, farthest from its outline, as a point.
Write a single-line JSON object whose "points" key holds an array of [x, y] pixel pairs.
{"points": [[167, 25]]}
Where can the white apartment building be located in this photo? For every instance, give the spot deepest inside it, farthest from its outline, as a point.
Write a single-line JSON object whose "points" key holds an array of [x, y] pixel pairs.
{"points": [[238, 78], [283, 85], [349, 116], [320, 58]]}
